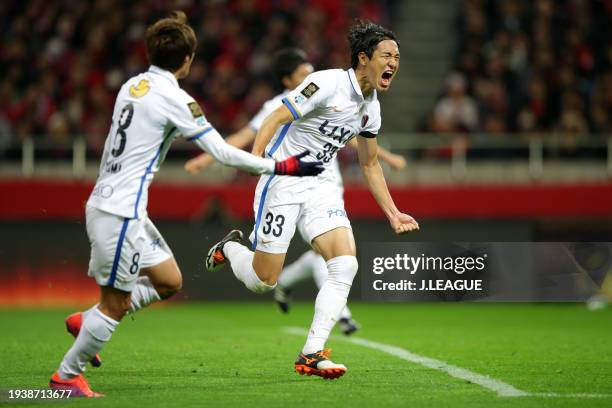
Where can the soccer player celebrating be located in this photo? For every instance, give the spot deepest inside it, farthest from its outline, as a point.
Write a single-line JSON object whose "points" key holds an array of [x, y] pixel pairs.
{"points": [[291, 67], [322, 114], [130, 260]]}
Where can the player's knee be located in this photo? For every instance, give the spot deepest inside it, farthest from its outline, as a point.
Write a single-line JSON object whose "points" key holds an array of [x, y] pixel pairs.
{"points": [[269, 281], [170, 287], [264, 279], [259, 284], [343, 269]]}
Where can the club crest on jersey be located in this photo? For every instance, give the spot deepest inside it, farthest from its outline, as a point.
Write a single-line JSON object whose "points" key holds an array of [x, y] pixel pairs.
{"points": [[195, 109], [141, 89], [364, 120], [310, 90]]}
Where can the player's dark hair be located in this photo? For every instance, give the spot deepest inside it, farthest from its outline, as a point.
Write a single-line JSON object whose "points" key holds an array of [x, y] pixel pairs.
{"points": [[364, 36], [286, 61], [169, 41]]}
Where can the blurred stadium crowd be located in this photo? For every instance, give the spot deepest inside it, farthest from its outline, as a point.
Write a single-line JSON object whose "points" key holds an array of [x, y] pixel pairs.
{"points": [[530, 66], [62, 62], [520, 66]]}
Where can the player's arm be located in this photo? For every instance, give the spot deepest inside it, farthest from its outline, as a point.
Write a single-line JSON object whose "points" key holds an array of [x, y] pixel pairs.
{"points": [[367, 150], [240, 139], [211, 141], [268, 128], [188, 118], [312, 93], [395, 161]]}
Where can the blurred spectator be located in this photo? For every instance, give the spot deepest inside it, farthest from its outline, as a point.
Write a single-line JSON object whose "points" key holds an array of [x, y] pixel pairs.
{"points": [[457, 111], [62, 62], [533, 66]]}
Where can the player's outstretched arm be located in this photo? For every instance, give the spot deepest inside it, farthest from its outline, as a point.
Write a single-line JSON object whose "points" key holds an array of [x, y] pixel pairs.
{"points": [[269, 126], [375, 180], [212, 142], [395, 161], [240, 139]]}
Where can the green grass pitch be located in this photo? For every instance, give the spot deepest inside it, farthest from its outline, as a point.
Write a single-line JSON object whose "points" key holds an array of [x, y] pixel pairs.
{"points": [[238, 355]]}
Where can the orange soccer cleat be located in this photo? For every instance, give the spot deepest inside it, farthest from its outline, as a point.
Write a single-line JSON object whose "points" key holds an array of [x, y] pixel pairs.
{"points": [[319, 364], [73, 325], [77, 385]]}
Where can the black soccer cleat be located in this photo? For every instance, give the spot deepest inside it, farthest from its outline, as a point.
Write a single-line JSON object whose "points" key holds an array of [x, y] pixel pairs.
{"points": [[216, 259], [320, 365], [348, 326], [282, 297]]}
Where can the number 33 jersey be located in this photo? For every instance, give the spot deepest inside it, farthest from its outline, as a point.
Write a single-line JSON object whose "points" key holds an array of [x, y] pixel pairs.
{"points": [[328, 109], [151, 110]]}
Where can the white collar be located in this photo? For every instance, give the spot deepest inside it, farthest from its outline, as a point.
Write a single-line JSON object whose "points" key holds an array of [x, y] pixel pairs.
{"points": [[166, 74], [357, 88]]}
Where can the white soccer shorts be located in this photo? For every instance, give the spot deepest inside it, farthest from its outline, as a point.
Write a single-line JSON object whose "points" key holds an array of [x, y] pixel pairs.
{"points": [[120, 247], [284, 204]]}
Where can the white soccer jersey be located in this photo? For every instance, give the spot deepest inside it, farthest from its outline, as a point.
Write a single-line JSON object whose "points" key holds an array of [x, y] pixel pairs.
{"points": [[329, 109], [332, 171], [151, 110]]}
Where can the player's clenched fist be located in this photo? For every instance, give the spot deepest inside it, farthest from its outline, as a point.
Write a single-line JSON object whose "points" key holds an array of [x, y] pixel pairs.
{"points": [[402, 223]]}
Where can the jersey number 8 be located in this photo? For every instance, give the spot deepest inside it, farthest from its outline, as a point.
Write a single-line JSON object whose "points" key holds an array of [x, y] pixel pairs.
{"points": [[126, 116]]}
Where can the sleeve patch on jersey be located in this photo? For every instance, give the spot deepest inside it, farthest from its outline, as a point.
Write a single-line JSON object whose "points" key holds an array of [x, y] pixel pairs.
{"points": [[195, 109], [368, 135], [141, 89], [310, 90], [298, 99]]}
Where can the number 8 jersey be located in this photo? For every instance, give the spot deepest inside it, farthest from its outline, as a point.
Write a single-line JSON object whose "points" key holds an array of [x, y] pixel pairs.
{"points": [[151, 110]]}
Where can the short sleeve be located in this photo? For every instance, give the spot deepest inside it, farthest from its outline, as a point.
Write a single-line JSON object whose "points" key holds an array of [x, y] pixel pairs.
{"points": [[185, 113], [313, 93], [371, 121]]}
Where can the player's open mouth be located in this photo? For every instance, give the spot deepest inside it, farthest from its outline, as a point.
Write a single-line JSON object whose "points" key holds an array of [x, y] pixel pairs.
{"points": [[386, 78]]}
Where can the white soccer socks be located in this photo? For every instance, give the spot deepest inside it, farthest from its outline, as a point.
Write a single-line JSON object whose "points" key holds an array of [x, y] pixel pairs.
{"points": [[143, 294], [319, 270], [319, 273], [330, 301], [96, 330], [241, 261], [87, 313]]}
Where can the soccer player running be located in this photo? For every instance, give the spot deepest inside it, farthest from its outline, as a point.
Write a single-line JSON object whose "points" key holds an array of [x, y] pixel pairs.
{"points": [[130, 260], [322, 114], [291, 67]]}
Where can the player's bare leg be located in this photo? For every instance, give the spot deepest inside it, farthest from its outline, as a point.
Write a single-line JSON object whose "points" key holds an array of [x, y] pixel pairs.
{"points": [[155, 283], [165, 278], [338, 249], [257, 270], [96, 330]]}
